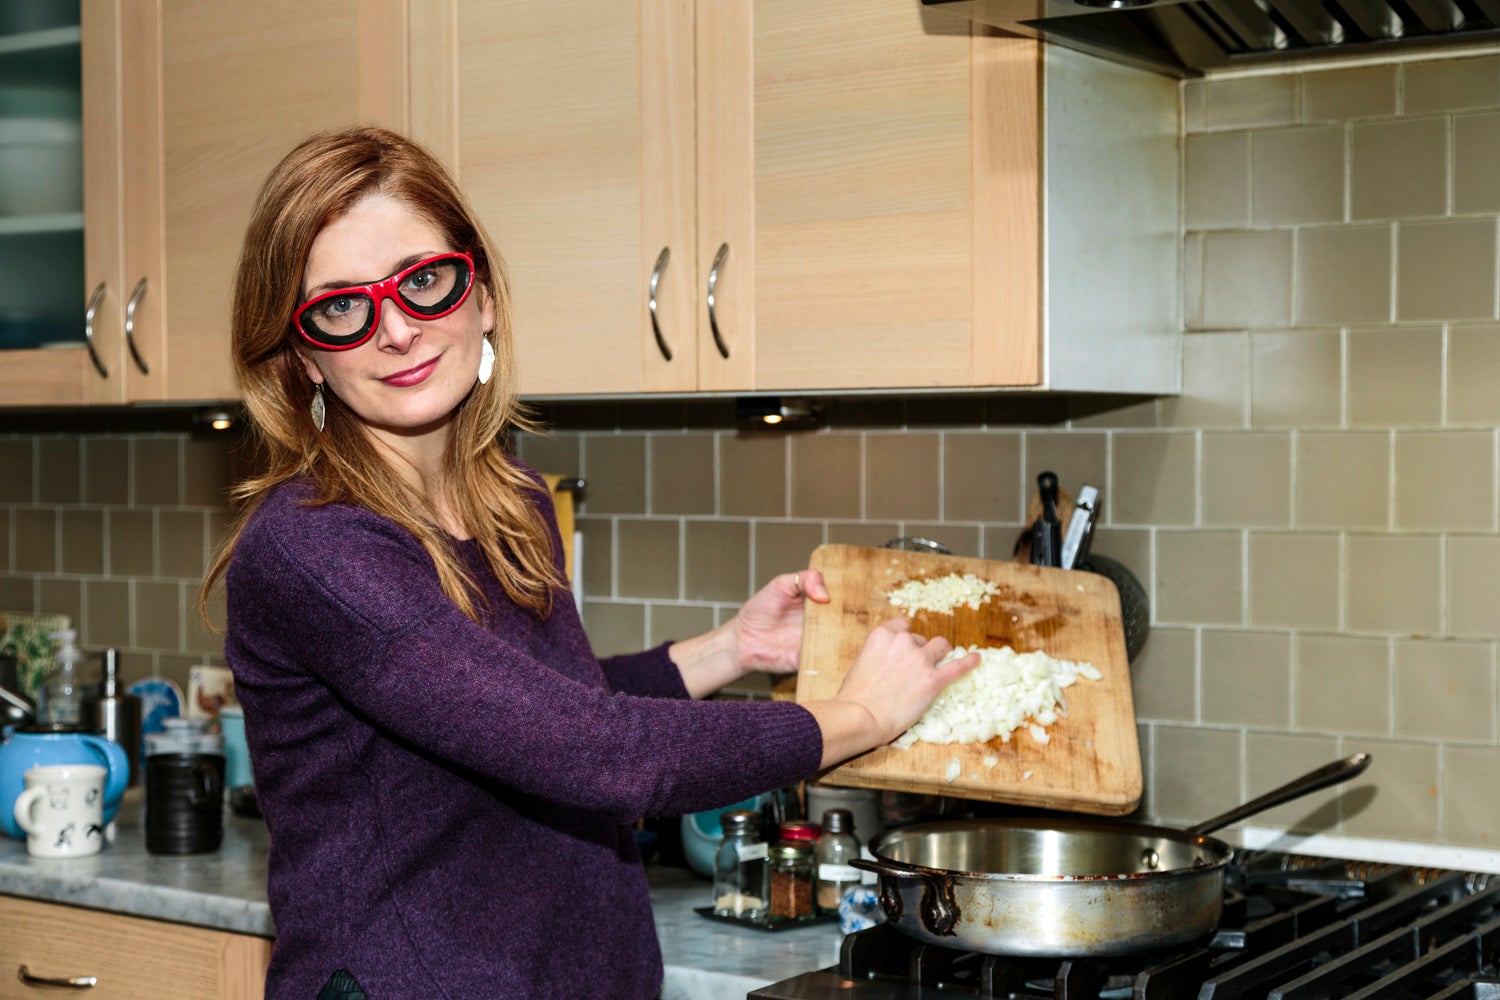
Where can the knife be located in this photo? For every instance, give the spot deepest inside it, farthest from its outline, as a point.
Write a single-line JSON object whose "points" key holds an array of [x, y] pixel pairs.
{"points": [[1075, 546], [1046, 534]]}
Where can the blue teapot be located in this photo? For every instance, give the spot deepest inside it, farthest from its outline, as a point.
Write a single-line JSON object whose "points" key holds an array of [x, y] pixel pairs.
{"points": [[31, 746]]}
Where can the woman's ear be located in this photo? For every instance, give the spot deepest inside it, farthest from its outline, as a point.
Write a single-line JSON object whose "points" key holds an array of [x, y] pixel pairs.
{"points": [[309, 365], [486, 310]]}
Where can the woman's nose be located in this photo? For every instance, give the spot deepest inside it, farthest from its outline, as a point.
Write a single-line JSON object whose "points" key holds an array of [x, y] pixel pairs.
{"points": [[397, 330]]}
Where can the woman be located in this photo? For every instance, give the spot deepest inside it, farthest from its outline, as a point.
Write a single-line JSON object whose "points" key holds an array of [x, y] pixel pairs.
{"points": [[449, 775]]}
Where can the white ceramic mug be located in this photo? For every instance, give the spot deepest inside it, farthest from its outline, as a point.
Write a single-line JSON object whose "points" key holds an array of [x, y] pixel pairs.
{"points": [[62, 810]]}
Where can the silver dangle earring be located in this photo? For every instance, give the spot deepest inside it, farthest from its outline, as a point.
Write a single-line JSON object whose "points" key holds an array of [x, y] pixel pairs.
{"points": [[486, 361], [319, 409]]}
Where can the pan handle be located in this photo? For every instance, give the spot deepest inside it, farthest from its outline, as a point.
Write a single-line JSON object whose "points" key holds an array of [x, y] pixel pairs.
{"points": [[1328, 774], [939, 908]]}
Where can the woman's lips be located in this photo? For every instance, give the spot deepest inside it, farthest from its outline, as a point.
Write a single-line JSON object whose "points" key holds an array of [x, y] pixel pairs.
{"points": [[412, 376]]}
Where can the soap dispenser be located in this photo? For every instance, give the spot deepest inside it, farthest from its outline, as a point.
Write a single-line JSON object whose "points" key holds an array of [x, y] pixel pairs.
{"points": [[59, 702]]}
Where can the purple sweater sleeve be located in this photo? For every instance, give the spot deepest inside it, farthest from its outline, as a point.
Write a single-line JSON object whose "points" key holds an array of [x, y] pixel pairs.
{"points": [[354, 599], [650, 674]]}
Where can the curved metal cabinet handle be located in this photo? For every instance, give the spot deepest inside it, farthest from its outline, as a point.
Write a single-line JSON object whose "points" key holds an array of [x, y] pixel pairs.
{"points": [[713, 283], [66, 982], [89, 312], [135, 300], [661, 265]]}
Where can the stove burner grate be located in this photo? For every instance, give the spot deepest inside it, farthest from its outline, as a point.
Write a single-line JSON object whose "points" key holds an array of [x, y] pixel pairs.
{"points": [[1294, 928]]}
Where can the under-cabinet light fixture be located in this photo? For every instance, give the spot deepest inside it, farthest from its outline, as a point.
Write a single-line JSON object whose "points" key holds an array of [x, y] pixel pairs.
{"points": [[768, 412], [217, 419]]}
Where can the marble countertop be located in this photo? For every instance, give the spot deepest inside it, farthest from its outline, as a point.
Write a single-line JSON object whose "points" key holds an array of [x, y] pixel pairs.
{"points": [[715, 960], [226, 890]]}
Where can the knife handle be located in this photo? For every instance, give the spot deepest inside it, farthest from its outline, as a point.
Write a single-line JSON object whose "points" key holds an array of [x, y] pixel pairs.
{"points": [[1080, 528], [1046, 543], [1047, 487]]}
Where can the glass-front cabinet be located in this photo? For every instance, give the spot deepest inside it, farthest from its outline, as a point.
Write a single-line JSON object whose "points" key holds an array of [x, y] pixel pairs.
{"points": [[45, 233], [41, 176], [134, 137]]}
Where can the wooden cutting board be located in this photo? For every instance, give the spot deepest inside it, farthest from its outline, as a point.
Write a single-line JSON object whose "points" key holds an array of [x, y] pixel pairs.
{"points": [[1092, 760]]}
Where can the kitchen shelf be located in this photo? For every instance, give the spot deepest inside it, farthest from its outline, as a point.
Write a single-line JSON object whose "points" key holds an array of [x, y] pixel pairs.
{"points": [[30, 225], [32, 41], [42, 60]]}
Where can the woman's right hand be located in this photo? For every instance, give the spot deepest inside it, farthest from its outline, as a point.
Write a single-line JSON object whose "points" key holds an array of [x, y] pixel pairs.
{"points": [[892, 681]]}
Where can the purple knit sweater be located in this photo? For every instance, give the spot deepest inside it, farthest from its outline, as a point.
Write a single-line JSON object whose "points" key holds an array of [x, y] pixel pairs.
{"points": [[450, 805]]}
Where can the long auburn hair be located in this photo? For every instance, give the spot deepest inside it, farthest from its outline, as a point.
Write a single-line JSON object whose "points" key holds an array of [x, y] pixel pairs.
{"points": [[317, 182]]}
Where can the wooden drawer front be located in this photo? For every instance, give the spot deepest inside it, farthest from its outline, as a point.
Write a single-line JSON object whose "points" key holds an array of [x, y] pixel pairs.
{"points": [[132, 958]]}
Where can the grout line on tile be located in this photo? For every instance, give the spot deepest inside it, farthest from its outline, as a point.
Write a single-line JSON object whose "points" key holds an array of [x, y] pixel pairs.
{"points": [[1495, 302], [716, 457], [786, 477], [1450, 151], [1494, 476], [614, 557], [942, 481], [1348, 205], [1393, 310], [863, 476]]}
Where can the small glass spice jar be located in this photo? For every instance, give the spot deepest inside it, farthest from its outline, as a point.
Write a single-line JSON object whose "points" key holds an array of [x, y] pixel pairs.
{"points": [[836, 848], [740, 868], [792, 881]]}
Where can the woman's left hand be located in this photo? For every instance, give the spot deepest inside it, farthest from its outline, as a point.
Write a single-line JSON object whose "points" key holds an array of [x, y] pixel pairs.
{"points": [[766, 635], [768, 629]]}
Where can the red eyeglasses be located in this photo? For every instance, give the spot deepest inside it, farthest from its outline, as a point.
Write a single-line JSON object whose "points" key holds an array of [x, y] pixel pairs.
{"points": [[344, 318]]}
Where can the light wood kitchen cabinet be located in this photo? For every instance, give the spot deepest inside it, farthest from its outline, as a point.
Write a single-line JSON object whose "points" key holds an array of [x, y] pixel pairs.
{"points": [[131, 958], [185, 113], [895, 199]]}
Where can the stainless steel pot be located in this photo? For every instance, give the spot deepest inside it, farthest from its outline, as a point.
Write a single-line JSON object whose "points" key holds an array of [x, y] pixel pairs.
{"points": [[1066, 888]]}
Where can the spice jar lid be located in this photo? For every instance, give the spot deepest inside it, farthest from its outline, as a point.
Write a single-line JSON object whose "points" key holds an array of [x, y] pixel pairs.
{"points": [[797, 830], [838, 821], [740, 821]]}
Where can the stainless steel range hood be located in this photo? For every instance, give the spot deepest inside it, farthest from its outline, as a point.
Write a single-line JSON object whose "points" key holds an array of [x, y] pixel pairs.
{"points": [[1190, 37]]}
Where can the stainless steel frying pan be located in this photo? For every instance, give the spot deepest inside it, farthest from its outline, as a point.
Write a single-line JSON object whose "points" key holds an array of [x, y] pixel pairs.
{"points": [[1066, 888]]}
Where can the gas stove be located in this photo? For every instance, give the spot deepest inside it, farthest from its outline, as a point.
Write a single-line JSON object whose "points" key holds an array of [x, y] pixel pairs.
{"points": [[1294, 928]]}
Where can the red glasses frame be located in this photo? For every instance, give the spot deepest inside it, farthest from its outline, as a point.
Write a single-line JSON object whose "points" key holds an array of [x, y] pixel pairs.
{"points": [[376, 292]]}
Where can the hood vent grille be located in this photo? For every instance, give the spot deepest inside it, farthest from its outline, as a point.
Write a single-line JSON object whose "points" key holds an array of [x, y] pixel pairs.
{"points": [[1188, 38]]}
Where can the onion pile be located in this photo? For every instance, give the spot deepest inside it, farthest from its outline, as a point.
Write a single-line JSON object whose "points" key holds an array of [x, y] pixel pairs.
{"points": [[997, 697], [942, 594]]}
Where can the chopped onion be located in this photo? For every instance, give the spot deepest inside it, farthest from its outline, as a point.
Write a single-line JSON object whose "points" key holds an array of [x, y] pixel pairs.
{"points": [[998, 697], [944, 593]]}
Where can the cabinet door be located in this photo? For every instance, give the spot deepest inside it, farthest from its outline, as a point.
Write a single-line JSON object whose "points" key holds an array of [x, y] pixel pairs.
{"points": [[42, 252], [574, 140], [844, 162], [211, 107], [131, 958]]}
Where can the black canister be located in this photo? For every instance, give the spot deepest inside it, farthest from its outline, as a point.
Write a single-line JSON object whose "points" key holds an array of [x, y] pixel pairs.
{"points": [[184, 789]]}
